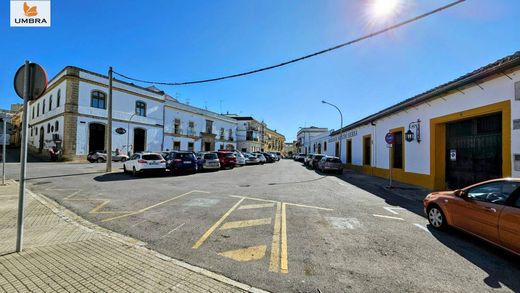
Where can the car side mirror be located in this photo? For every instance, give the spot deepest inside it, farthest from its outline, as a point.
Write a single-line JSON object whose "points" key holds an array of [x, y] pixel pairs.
{"points": [[460, 193]]}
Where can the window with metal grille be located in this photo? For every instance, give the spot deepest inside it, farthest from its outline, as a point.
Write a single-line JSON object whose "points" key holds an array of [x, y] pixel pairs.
{"points": [[367, 150], [397, 150]]}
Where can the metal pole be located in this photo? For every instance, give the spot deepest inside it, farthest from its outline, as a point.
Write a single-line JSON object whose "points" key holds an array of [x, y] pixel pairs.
{"points": [[109, 130], [3, 151], [341, 125], [390, 164], [23, 160]]}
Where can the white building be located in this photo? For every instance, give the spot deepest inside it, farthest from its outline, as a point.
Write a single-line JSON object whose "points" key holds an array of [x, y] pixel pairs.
{"points": [[250, 133], [461, 132], [72, 115], [306, 136]]}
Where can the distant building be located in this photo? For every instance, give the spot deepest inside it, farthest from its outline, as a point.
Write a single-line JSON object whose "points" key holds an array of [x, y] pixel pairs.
{"points": [[250, 133], [305, 135], [273, 141]]}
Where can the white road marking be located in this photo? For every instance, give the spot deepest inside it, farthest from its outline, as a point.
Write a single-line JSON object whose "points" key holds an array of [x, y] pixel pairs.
{"points": [[140, 222], [422, 227], [391, 209], [344, 223], [388, 217], [173, 230]]}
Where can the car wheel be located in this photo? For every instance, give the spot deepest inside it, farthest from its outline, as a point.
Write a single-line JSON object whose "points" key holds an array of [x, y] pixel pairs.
{"points": [[436, 217], [100, 160], [134, 172]]}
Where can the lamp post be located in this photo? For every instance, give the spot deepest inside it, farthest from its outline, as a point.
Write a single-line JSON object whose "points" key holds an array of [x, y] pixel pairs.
{"points": [[341, 125], [128, 135]]}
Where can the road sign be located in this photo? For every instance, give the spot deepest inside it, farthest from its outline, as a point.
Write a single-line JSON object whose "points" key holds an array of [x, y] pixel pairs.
{"points": [[389, 138], [37, 81]]}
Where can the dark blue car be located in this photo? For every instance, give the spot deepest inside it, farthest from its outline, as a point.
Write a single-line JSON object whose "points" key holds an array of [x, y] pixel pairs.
{"points": [[179, 161]]}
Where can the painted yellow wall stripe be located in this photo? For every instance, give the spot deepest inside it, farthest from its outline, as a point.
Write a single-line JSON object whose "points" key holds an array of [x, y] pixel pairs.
{"points": [[215, 226], [275, 246], [256, 206], [246, 223]]}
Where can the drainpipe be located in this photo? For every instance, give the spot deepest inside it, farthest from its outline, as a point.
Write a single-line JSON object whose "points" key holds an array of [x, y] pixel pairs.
{"points": [[374, 139]]}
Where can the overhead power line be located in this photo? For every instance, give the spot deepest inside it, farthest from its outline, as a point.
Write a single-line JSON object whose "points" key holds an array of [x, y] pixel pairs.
{"points": [[389, 28]]}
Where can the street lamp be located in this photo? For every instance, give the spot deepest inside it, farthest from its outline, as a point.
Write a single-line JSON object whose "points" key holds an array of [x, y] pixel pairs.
{"points": [[341, 125]]}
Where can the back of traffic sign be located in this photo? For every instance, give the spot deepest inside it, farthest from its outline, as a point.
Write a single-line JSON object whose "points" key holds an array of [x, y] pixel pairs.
{"points": [[37, 81]]}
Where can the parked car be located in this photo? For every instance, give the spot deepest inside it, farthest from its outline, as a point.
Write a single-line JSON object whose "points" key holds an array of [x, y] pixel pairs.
{"points": [[261, 158], [268, 158], [300, 157], [251, 159], [313, 164], [181, 161], [241, 160], [489, 210], [101, 156], [327, 164], [145, 162], [208, 161], [307, 159], [227, 159]]}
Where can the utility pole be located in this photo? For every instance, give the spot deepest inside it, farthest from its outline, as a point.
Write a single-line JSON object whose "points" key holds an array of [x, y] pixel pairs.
{"points": [[109, 126]]}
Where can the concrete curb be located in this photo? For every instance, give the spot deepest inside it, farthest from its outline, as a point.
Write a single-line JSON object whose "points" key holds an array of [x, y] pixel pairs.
{"points": [[82, 223]]}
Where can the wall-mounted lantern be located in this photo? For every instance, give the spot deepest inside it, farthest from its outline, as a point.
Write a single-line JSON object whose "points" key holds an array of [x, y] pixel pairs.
{"points": [[410, 135]]}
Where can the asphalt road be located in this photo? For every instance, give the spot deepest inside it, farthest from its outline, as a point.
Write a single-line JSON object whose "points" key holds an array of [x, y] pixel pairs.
{"points": [[282, 228]]}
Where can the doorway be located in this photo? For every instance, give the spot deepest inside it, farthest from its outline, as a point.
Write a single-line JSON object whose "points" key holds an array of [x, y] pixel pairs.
{"points": [[473, 150], [207, 146], [96, 137], [139, 140], [42, 139]]}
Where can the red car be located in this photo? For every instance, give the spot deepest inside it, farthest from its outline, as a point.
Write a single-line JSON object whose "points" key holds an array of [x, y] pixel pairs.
{"points": [[227, 159]]}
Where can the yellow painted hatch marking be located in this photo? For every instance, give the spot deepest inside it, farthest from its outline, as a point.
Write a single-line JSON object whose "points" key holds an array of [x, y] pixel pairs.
{"points": [[215, 226], [275, 246], [152, 206], [287, 203], [246, 254], [246, 223], [283, 261], [256, 206]]}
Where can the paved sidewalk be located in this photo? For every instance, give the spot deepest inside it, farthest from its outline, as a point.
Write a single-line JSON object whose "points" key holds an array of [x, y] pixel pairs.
{"points": [[64, 253]]}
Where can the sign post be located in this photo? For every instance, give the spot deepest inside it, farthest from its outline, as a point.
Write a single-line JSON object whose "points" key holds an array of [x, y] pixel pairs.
{"points": [[389, 138], [30, 82], [4, 119]]}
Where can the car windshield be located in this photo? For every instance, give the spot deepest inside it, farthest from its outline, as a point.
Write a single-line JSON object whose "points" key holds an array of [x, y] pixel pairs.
{"points": [[228, 155], [152, 157], [210, 156]]}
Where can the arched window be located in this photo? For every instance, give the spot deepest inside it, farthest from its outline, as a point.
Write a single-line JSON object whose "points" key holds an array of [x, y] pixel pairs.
{"points": [[58, 98], [324, 146], [230, 137], [56, 126], [140, 108], [98, 100], [43, 108], [38, 110], [50, 103], [48, 128]]}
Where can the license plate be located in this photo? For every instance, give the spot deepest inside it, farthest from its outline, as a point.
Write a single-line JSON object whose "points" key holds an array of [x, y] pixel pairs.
{"points": [[187, 162], [153, 163]]}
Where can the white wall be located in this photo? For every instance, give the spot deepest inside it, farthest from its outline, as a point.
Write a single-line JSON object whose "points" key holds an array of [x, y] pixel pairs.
{"points": [[417, 158]]}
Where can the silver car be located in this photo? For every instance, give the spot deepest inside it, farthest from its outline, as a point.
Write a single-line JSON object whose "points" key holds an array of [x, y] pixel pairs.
{"points": [[241, 160], [208, 161], [327, 164]]}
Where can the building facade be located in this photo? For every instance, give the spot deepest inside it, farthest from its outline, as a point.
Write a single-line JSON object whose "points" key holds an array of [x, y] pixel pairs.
{"points": [[250, 133], [456, 134], [307, 134], [273, 141], [72, 115]]}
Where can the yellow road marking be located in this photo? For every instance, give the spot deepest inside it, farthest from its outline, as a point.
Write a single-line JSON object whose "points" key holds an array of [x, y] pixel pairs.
{"points": [[275, 246], [152, 206], [215, 226], [246, 254], [246, 223], [254, 198], [283, 261], [256, 206]]}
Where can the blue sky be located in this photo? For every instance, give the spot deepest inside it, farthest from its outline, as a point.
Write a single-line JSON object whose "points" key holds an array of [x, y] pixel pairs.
{"points": [[189, 40]]}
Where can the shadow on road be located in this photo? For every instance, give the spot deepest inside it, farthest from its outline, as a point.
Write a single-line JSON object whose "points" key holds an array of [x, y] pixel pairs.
{"points": [[486, 256], [108, 177], [63, 175]]}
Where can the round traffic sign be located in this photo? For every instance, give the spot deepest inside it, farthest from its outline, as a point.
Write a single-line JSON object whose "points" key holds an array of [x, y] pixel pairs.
{"points": [[389, 138], [37, 81]]}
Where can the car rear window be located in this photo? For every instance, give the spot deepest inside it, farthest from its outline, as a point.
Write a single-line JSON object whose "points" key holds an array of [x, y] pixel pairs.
{"points": [[210, 156], [318, 157], [228, 155], [334, 160], [185, 156], [152, 157]]}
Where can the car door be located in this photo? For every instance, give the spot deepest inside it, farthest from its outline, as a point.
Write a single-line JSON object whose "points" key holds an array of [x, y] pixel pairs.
{"points": [[509, 223], [479, 209]]}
